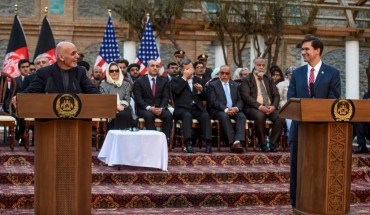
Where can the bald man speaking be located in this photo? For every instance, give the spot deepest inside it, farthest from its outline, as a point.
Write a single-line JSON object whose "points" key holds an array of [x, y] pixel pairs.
{"points": [[64, 76]]}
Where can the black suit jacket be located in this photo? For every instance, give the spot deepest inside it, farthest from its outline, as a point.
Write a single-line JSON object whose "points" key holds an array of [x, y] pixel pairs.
{"points": [[18, 81], [49, 80], [217, 98], [249, 91], [143, 93], [183, 96]]}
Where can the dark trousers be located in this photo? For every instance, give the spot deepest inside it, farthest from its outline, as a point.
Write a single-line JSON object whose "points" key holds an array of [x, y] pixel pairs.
{"points": [[362, 130], [227, 128], [149, 118], [187, 116], [293, 172], [259, 119], [123, 120]]}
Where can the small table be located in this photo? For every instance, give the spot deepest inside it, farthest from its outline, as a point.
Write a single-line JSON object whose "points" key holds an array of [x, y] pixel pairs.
{"points": [[145, 148]]}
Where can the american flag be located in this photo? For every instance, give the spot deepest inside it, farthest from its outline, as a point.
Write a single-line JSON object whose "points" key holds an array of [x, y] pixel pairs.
{"points": [[109, 50], [148, 50]]}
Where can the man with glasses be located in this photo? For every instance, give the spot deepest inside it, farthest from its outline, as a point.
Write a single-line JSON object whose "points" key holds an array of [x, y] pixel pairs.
{"points": [[261, 101], [188, 94], [224, 104], [134, 70], [151, 95]]}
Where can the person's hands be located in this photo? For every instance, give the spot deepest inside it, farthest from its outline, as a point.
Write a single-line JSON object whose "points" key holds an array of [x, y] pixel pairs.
{"points": [[156, 111], [14, 101], [270, 109], [120, 107], [232, 111], [188, 73], [198, 87]]}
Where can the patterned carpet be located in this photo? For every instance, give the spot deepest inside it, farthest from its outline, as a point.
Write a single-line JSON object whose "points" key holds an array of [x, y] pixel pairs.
{"points": [[217, 183]]}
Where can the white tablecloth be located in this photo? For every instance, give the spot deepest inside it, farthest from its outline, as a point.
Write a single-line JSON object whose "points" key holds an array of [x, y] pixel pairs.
{"points": [[145, 148]]}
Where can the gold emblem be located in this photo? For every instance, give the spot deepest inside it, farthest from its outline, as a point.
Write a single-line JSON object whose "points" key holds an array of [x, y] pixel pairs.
{"points": [[343, 110], [67, 106]]}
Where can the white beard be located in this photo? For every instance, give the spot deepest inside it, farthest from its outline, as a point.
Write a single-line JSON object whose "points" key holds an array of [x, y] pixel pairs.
{"points": [[259, 73]]}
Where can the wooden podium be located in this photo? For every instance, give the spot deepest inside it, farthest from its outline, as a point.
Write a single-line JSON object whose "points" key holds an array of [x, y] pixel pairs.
{"points": [[63, 149], [324, 154]]}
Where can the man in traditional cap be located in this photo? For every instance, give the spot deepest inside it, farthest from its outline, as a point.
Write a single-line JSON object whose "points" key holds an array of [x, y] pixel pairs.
{"points": [[207, 73], [179, 56]]}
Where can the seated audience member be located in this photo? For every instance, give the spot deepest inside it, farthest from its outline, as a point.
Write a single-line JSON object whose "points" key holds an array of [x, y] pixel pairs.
{"points": [[240, 73], [134, 70], [283, 91], [199, 69], [123, 64], [40, 62], [96, 76], [151, 95], [116, 85], [24, 69], [188, 93], [284, 85], [172, 70], [276, 74], [207, 71], [362, 129], [225, 103], [261, 101], [32, 68]]}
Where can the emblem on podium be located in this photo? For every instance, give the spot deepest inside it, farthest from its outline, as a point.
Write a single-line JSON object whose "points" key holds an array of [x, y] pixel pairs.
{"points": [[67, 105], [342, 110]]}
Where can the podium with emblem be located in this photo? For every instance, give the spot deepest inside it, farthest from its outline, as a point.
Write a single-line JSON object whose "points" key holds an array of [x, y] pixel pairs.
{"points": [[325, 136], [63, 147]]}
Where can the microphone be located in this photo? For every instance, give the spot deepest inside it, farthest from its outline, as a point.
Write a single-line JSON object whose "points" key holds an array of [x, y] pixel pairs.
{"points": [[312, 90], [49, 85]]}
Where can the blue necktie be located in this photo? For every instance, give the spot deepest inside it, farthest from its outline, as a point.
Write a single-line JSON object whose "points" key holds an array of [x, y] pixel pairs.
{"points": [[229, 103]]}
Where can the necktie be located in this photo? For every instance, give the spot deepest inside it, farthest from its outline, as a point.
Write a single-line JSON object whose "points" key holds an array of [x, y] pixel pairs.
{"points": [[311, 80], [266, 100], [229, 103], [154, 88]]}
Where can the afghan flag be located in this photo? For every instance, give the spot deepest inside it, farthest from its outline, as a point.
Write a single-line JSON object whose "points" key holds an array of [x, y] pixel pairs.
{"points": [[17, 49], [46, 44]]}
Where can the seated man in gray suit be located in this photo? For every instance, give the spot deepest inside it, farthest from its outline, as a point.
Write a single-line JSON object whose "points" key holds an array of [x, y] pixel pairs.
{"points": [[224, 104]]}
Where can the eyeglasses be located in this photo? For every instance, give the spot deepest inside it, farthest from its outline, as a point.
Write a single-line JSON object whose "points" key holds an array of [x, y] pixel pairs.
{"points": [[134, 69], [224, 73], [113, 71], [153, 65]]}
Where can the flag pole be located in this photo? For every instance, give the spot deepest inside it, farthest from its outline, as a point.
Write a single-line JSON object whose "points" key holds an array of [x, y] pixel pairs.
{"points": [[46, 11], [16, 9]]}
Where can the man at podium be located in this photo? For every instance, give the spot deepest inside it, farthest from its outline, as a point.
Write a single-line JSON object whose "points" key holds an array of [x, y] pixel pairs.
{"points": [[315, 79], [64, 76]]}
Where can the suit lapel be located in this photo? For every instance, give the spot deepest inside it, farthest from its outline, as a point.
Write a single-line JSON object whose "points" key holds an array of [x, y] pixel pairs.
{"points": [[147, 84], [233, 90], [56, 74], [320, 74]]}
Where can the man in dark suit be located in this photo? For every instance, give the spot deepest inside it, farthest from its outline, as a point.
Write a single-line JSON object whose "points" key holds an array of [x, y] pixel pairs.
{"points": [[316, 79], [188, 95], [225, 103], [362, 129], [24, 69], [261, 101], [64, 76], [151, 95]]}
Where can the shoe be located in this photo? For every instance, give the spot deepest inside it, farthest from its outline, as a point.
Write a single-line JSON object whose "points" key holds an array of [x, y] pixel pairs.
{"points": [[273, 149], [265, 149], [189, 149], [21, 142], [236, 147], [361, 150]]}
